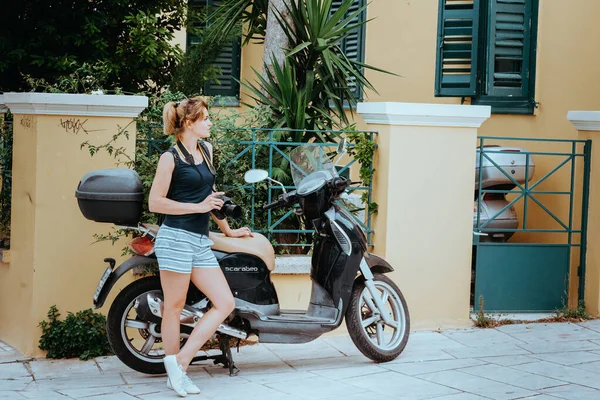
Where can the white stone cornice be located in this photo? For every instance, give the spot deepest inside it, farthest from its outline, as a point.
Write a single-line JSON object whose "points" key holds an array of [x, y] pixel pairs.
{"points": [[75, 104], [585, 120], [3, 107], [420, 114]]}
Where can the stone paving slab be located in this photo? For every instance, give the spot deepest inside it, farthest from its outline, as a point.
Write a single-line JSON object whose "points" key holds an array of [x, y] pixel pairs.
{"points": [[428, 367], [483, 338], [513, 377], [569, 358], [508, 361], [49, 369], [542, 347], [534, 333], [398, 386], [573, 392], [528, 361], [593, 325], [563, 373], [477, 385], [592, 366]]}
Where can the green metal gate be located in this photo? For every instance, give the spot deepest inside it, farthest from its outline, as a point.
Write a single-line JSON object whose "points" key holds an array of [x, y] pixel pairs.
{"points": [[532, 272]]}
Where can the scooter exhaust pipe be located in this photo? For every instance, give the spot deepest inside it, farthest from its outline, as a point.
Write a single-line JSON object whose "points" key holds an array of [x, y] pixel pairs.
{"points": [[190, 317]]}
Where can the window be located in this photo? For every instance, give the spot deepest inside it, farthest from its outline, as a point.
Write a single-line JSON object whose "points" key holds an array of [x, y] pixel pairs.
{"points": [[228, 60], [486, 50], [353, 45]]}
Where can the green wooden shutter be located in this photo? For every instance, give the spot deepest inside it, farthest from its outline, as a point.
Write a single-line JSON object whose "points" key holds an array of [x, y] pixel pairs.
{"points": [[353, 45], [457, 48], [509, 50], [228, 60]]}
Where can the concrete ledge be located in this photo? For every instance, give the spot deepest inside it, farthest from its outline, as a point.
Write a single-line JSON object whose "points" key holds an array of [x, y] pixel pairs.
{"points": [[530, 317], [3, 107], [292, 265], [585, 120], [75, 104], [421, 114]]}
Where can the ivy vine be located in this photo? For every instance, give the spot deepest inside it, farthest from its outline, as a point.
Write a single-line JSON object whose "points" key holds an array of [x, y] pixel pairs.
{"points": [[363, 151]]}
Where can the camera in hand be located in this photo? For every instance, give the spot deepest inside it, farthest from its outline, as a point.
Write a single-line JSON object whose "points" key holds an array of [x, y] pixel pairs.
{"points": [[229, 209]]}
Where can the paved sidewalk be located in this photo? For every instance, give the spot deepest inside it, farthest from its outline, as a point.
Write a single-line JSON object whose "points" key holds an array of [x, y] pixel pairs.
{"points": [[528, 361]]}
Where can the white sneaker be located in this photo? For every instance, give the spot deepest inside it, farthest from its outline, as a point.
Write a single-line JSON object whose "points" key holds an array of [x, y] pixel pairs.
{"points": [[189, 386], [176, 375]]}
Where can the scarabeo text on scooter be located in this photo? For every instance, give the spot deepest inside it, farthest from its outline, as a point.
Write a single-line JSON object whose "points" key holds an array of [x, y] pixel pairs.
{"points": [[245, 268]]}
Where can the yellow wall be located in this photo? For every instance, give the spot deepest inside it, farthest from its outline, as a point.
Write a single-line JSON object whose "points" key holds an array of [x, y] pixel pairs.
{"points": [[566, 79], [402, 38], [53, 258]]}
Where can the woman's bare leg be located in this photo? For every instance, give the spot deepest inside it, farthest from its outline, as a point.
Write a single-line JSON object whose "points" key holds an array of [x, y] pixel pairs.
{"points": [[213, 284], [175, 287]]}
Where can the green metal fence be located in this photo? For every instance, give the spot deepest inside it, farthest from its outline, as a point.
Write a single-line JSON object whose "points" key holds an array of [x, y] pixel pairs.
{"points": [[531, 272], [263, 148]]}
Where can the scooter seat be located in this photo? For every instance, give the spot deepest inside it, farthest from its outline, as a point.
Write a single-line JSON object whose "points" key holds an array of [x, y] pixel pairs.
{"points": [[258, 245]]}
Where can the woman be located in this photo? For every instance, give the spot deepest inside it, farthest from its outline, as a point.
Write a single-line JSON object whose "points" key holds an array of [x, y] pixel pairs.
{"points": [[182, 244]]}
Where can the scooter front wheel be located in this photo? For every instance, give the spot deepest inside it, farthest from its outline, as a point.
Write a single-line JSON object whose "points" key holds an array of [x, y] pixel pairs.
{"points": [[376, 338]]}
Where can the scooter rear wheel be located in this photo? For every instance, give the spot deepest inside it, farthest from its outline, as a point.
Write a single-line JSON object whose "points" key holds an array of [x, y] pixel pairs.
{"points": [[376, 339], [131, 339]]}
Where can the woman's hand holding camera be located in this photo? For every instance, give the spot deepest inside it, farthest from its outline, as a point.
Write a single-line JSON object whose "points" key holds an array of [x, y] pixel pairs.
{"points": [[211, 202]]}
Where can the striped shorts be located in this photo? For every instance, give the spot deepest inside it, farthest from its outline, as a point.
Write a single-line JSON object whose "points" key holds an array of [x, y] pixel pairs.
{"points": [[179, 250]]}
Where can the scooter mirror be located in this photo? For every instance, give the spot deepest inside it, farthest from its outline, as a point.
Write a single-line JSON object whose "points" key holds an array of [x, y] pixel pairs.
{"points": [[342, 146], [340, 150], [255, 175]]}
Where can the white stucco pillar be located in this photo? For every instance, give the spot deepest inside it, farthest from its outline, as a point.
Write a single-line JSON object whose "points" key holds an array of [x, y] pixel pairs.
{"points": [[53, 261], [424, 182]]}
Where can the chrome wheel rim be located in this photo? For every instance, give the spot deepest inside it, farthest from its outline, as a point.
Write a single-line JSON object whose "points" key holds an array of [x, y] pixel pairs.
{"points": [[137, 335], [385, 336]]}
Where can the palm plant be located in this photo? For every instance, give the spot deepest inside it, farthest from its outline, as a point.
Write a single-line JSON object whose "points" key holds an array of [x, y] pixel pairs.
{"points": [[312, 88], [251, 13]]}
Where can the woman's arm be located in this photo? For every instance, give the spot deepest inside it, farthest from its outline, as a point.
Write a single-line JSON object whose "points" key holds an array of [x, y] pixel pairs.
{"points": [[223, 225], [158, 201]]}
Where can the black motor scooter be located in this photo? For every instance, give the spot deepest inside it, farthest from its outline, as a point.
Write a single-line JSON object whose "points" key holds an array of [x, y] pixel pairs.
{"points": [[347, 280]]}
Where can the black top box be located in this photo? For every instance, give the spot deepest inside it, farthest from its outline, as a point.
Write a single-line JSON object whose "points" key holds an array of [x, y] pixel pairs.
{"points": [[112, 195]]}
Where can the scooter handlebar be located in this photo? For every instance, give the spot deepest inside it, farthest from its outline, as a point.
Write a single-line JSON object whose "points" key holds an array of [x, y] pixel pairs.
{"points": [[272, 205], [339, 184], [284, 199]]}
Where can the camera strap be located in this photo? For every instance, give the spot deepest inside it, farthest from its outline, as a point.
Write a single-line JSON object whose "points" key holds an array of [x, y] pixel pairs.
{"points": [[190, 159], [206, 155]]}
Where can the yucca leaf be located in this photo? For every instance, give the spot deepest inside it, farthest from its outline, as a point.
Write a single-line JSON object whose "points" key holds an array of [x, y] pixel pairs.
{"points": [[338, 15], [298, 48]]}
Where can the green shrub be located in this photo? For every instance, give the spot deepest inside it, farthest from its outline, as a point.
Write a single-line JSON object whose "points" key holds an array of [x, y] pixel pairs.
{"points": [[579, 314], [82, 335]]}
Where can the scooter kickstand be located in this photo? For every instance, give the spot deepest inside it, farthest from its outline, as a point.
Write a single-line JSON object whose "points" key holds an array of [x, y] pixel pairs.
{"points": [[226, 357]]}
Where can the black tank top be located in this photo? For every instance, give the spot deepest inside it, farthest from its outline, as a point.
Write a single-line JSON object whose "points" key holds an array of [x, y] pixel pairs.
{"points": [[190, 187]]}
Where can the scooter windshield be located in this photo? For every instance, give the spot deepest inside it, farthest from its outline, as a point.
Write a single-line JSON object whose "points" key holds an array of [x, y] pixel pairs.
{"points": [[311, 167]]}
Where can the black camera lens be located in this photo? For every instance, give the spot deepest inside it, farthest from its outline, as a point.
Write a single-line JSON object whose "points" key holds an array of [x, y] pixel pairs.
{"points": [[229, 209], [232, 210]]}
